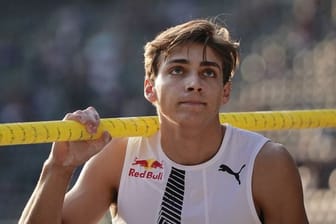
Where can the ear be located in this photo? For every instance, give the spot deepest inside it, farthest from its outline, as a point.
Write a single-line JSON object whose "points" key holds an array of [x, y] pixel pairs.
{"points": [[149, 91], [226, 92]]}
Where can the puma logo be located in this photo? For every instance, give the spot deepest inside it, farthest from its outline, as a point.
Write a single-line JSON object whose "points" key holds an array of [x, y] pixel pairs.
{"points": [[225, 168]]}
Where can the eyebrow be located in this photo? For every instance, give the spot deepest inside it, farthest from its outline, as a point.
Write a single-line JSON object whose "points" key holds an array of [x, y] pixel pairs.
{"points": [[210, 63], [178, 61], [203, 63]]}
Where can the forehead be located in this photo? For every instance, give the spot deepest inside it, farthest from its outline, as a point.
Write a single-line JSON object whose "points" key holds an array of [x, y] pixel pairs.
{"points": [[192, 52]]}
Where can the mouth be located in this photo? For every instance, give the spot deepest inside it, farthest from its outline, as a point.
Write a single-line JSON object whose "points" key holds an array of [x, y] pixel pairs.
{"points": [[192, 103]]}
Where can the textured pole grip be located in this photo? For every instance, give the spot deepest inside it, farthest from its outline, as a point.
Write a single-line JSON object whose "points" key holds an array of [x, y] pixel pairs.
{"points": [[50, 131]]}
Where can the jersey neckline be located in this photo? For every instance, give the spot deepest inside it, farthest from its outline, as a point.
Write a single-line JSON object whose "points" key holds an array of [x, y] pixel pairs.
{"points": [[226, 137]]}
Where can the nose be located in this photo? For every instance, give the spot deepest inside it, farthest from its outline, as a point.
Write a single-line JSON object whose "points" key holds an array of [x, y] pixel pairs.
{"points": [[193, 83]]}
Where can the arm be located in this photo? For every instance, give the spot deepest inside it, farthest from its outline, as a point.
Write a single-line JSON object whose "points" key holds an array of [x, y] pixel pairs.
{"points": [[47, 196], [46, 202], [277, 188], [97, 186]]}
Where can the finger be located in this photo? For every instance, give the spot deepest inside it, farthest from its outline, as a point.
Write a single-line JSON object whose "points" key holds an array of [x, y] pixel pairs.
{"points": [[97, 145], [91, 119], [93, 115], [88, 117], [106, 137], [77, 116]]}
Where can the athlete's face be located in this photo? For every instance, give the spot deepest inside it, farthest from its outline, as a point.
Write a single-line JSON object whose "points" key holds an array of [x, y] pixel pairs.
{"points": [[189, 85]]}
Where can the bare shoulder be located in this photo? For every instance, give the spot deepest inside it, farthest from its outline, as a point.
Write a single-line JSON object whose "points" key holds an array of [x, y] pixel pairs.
{"points": [[274, 168], [108, 163], [277, 188], [274, 155]]}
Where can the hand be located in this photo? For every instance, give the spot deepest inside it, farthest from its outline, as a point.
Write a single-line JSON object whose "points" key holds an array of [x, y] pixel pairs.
{"points": [[75, 153]]}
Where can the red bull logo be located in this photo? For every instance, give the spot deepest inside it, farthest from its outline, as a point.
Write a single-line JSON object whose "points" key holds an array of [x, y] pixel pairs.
{"points": [[148, 163], [149, 169]]}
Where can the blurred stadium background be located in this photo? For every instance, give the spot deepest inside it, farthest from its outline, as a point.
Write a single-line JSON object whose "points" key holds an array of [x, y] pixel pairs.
{"points": [[59, 56]]}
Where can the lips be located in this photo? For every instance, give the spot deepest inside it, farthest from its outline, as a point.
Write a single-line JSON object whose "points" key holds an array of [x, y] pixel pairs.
{"points": [[192, 103]]}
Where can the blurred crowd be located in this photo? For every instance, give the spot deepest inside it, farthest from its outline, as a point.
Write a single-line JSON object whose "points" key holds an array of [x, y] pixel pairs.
{"points": [[57, 57]]}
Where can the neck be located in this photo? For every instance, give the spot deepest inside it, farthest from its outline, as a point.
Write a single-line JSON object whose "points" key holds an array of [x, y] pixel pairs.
{"points": [[191, 146]]}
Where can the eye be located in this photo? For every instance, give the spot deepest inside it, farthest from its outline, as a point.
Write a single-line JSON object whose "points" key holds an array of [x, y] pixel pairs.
{"points": [[209, 73], [177, 70]]}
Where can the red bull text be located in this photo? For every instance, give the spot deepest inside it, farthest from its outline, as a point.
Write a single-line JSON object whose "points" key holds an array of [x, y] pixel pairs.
{"points": [[146, 169]]}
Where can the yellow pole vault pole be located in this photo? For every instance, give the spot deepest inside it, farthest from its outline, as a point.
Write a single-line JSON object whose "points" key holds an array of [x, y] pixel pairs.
{"points": [[50, 131]]}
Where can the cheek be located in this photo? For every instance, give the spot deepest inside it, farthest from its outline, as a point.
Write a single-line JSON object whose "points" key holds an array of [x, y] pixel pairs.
{"points": [[159, 92], [162, 88], [167, 95], [219, 95], [162, 93]]}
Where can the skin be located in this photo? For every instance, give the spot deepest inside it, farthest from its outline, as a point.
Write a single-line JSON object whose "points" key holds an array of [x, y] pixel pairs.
{"points": [[187, 93]]}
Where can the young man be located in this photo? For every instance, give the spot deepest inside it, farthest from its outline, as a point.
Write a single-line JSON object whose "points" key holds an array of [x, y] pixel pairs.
{"points": [[194, 170]]}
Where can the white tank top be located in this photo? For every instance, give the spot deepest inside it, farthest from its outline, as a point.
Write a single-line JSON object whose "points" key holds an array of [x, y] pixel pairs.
{"points": [[217, 191]]}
